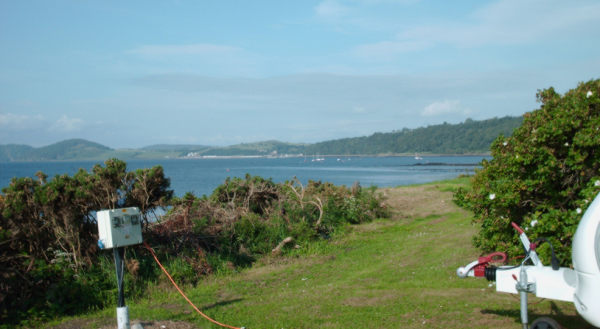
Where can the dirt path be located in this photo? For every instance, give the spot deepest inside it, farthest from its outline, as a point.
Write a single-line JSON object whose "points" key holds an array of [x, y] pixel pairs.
{"points": [[417, 201]]}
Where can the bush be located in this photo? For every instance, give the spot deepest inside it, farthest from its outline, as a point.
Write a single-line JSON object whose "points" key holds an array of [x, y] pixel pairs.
{"points": [[48, 235], [246, 218], [543, 177]]}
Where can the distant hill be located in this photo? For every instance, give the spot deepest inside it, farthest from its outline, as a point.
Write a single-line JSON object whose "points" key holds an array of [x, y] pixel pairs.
{"points": [[174, 147], [464, 138], [258, 148], [71, 149], [14, 152]]}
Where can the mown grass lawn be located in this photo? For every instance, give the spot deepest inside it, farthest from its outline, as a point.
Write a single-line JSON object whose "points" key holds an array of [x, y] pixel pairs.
{"points": [[398, 273]]}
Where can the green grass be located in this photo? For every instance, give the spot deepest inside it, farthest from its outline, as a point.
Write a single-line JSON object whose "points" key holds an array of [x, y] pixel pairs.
{"points": [[398, 273]]}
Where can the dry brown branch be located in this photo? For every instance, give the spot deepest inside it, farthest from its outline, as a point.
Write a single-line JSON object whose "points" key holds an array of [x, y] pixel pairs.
{"points": [[319, 205], [299, 195], [277, 250]]}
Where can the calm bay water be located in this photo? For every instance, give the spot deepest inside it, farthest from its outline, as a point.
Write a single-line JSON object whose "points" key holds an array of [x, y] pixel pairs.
{"points": [[202, 176]]}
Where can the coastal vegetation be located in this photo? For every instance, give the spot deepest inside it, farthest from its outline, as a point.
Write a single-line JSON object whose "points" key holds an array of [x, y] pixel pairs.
{"points": [[393, 273], [543, 177], [49, 258], [469, 137], [52, 266]]}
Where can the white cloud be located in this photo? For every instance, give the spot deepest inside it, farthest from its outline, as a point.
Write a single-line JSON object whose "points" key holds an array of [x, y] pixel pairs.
{"points": [[443, 107], [66, 124], [189, 49]]}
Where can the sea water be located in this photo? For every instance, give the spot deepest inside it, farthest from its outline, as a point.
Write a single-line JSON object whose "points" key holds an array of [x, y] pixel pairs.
{"points": [[202, 176]]}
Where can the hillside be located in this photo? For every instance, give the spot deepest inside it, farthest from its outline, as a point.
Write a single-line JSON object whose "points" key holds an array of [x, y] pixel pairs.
{"points": [[14, 152], [469, 137], [259, 148], [174, 148], [71, 149]]}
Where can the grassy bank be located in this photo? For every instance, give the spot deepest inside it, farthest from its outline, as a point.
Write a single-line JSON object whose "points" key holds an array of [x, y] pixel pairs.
{"points": [[397, 273]]}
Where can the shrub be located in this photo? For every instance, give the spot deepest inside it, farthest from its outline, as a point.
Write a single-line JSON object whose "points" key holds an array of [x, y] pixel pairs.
{"points": [[543, 177], [246, 218], [48, 235]]}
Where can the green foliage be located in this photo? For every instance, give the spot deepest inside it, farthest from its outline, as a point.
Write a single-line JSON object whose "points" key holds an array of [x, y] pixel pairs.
{"points": [[48, 235], [245, 219], [253, 192], [148, 189], [260, 236], [543, 177]]}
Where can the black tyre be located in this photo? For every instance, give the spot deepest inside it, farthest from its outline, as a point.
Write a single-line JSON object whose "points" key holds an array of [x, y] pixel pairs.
{"points": [[545, 323]]}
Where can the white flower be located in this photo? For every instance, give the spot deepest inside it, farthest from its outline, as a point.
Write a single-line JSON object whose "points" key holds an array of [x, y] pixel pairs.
{"points": [[589, 94], [597, 183], [586, 201], [578, 210], [516, 156], [492, 196], [505, 143], [534, 222], [567, 144]]}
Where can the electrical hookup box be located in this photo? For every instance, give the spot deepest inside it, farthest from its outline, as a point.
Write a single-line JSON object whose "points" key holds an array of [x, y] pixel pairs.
{"points": [[119, 227]]}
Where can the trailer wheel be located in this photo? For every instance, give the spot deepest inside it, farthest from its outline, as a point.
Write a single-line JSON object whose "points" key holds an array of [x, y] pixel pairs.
{"points": [[545, 323]]}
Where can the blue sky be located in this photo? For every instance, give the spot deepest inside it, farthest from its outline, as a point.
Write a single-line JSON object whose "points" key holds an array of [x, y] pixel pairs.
{"points": [[136, 73]]}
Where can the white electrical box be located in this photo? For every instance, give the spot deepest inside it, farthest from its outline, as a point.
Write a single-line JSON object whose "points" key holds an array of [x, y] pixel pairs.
{"points": [[119, 227]]}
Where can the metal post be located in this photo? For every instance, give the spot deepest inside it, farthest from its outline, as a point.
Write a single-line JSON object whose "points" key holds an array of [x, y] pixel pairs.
{"points": [[122, 310], [522, 287]]}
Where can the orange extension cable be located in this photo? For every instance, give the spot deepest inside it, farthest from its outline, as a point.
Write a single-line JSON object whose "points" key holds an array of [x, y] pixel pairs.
{"points": [[182, 294]]}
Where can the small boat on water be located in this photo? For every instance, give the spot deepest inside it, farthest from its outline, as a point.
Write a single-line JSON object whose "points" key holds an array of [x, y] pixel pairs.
{"points": [[417, 157]]}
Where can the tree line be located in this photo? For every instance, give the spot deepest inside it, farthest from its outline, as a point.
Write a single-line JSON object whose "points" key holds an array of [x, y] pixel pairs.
{"points": [[469, 136]]}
